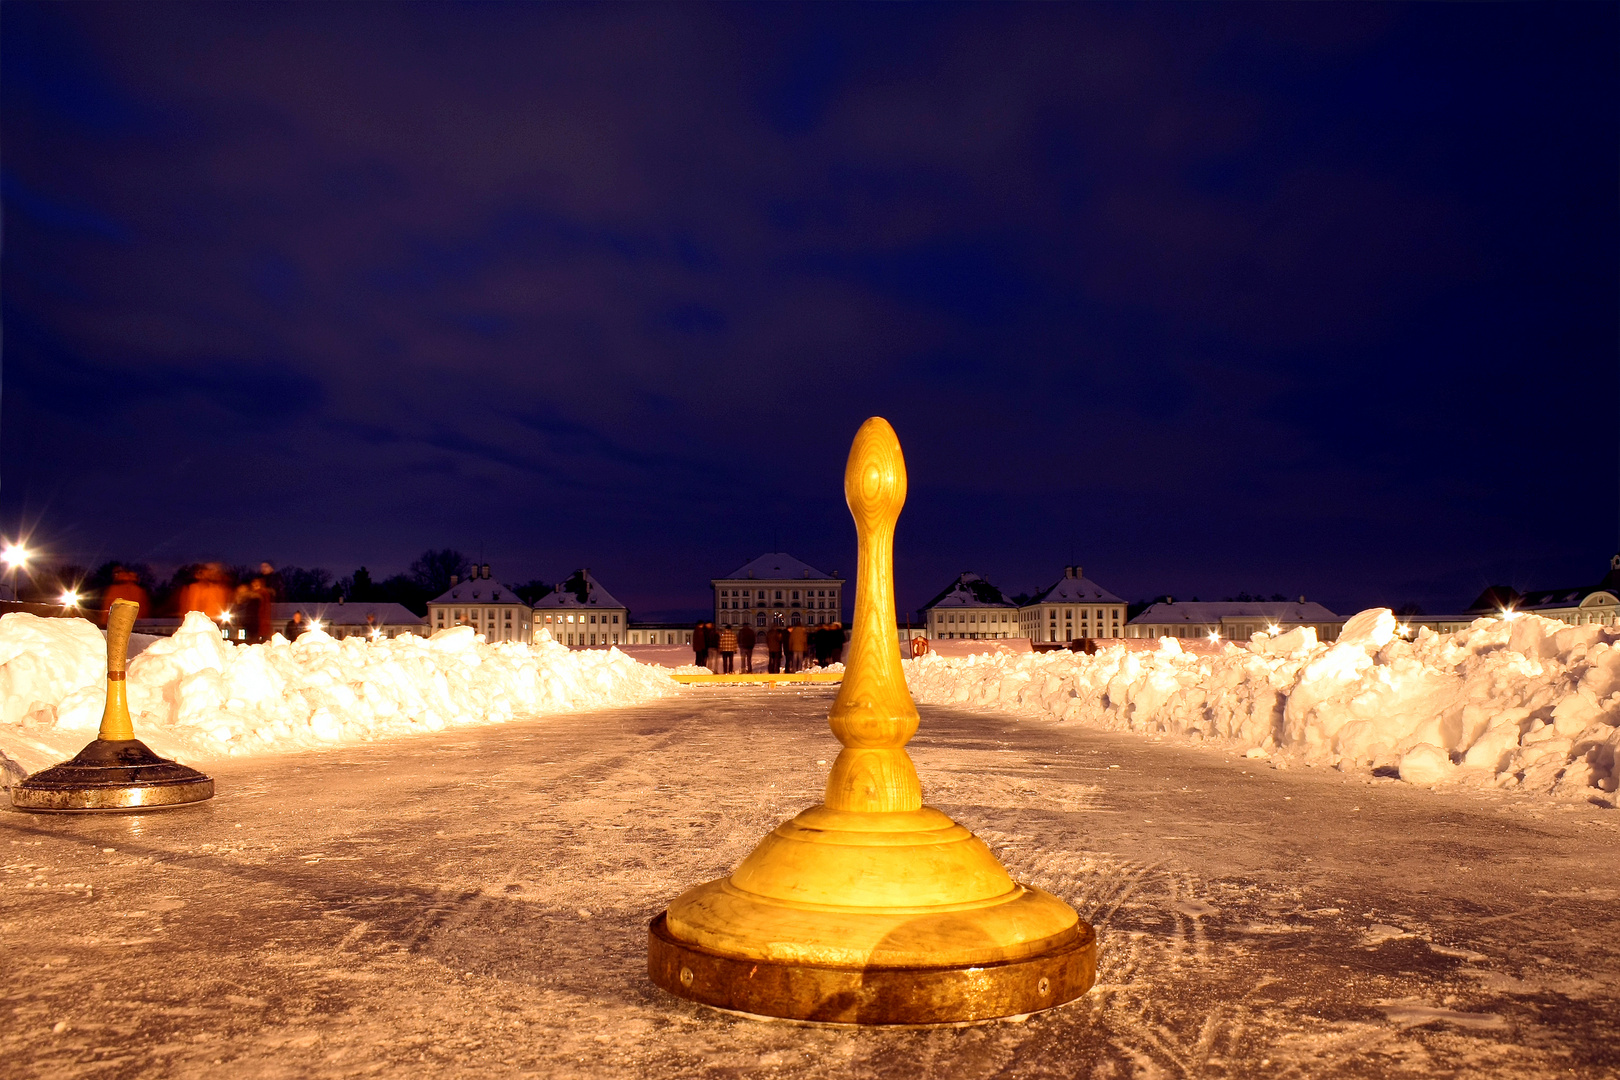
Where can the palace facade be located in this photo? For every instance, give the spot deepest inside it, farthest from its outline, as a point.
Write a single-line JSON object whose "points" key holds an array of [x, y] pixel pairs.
{"points": [[580, 612], [777, 590]]}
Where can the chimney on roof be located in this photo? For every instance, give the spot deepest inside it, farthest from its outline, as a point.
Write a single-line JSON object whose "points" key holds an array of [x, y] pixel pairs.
{"points": [[807, 571], [1072, 571], [750, 573], [1302, 598], [454, 578]]}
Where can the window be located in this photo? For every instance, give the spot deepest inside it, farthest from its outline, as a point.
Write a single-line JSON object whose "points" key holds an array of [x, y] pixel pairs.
{"points": [[615, 618]]}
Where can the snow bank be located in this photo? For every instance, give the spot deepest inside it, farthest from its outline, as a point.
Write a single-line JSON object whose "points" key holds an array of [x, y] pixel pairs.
{"points": [[1527, 703], [196, 696]]}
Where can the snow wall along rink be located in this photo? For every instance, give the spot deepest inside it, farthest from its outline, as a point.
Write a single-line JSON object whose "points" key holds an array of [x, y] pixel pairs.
{"points": [[195, 696], [1526, 703]]}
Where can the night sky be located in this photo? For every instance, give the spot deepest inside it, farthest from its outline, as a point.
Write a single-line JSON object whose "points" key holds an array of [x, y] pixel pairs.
{"points": [[1275, 298]]}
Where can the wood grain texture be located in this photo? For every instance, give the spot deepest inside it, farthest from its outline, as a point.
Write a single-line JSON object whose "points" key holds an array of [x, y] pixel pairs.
{"points": [[874, 710], [115, 722]]}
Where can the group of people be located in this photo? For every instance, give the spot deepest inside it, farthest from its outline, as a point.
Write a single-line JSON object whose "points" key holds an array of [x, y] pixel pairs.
{"points": [[249, 607], [786, 647]]}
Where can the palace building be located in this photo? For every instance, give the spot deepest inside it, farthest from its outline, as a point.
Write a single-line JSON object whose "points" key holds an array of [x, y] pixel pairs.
{"points": [[1233, 620], [342, 619], [660, 633], [777, 589], [1071, 608], [1581, 605], [579, 612], [485, 605], [970, 607]]}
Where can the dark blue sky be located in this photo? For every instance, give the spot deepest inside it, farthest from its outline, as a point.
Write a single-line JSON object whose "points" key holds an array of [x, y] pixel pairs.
{"points": [[1297, 298]]}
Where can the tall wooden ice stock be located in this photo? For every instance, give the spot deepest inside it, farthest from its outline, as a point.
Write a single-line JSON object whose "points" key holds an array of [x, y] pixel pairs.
{"points": [[872, 908], [117, 771]]}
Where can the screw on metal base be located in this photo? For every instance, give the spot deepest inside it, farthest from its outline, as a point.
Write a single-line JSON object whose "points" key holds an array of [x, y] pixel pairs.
{"points": [[111, 775]]}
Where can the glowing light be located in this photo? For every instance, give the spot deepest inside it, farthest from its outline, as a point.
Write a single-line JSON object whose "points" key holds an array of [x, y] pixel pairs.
{"points": [[1213, 636], [1272, 629], [314, 624], [15, 555], [70, 598], [1509, 614], [375, 634], [1404, 629]]}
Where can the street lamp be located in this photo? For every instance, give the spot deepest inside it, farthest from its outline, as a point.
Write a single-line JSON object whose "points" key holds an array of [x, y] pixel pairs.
{"points": [[70, 598], [15, 555]]}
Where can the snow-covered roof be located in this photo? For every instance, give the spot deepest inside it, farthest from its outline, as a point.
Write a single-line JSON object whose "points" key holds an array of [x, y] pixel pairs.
{"points": [[478, 591], [775, 566], [1075, 588], [969, 590], [579, 591], [1500, 597], [332, 613], [1214, 611], [1562, 598]]}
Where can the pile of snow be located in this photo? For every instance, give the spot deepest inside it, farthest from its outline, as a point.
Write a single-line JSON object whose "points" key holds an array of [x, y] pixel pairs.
{"points": [[1526, 703], [196, 696]]}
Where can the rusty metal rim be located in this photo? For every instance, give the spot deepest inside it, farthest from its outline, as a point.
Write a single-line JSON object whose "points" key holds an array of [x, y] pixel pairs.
{"points": [[909, 997], [92, 798]]}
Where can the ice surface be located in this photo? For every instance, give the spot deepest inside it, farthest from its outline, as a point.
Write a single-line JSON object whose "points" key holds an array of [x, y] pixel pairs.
{"points": [[473, 905], [196, 696], [1529, 703]]}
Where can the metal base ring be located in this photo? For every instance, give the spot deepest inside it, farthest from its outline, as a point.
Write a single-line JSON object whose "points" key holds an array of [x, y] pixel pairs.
{"points": [[905, 996], [112, 775], [104, 799]]}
